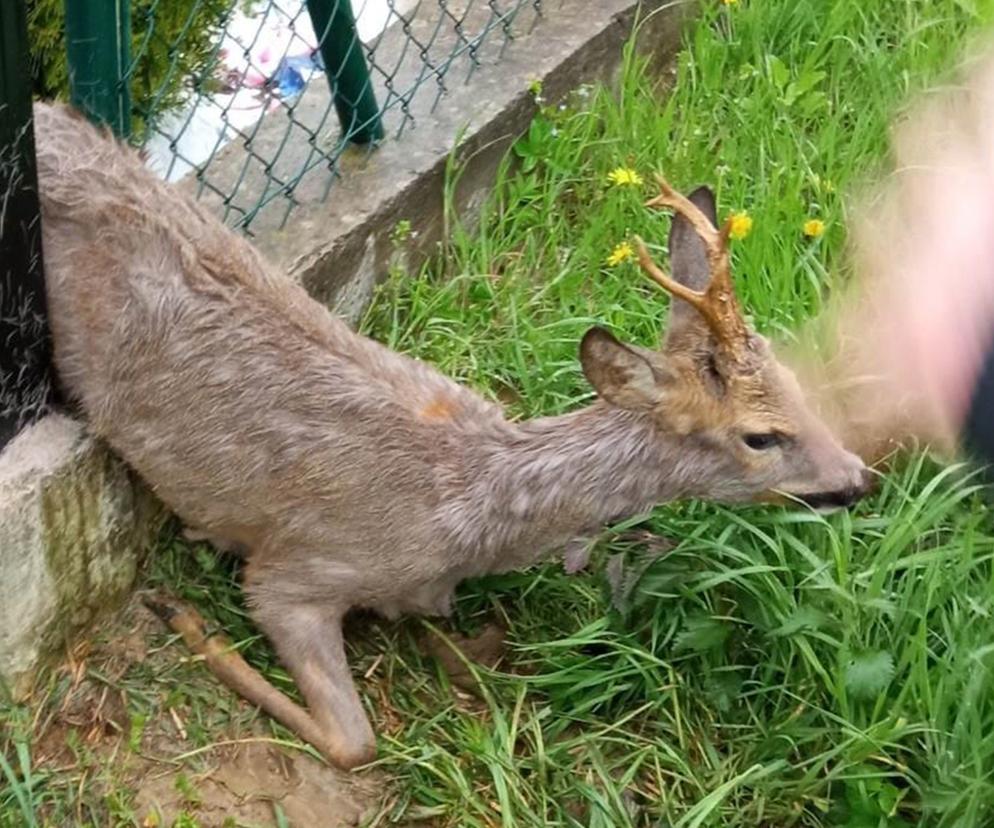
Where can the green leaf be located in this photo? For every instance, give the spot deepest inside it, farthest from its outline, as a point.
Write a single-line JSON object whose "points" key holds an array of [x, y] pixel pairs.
{"points": [[779, 73], [868, 673], [802, 618], [724, 688], [700, 633], [862, 821], [808, 79], [889, 798], [812, 102]]}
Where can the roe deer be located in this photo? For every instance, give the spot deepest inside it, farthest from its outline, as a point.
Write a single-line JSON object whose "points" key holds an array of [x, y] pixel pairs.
{"points": [[353, 476]]}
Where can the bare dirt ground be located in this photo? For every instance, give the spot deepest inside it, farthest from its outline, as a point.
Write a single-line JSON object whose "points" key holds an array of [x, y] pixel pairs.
{"points": [[140, 724]]}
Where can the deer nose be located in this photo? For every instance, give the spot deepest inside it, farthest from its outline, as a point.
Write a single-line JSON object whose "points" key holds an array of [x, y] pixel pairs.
{"points": [[868, 481], [862, 484], [856, 491], [850, 495], [840, 499]]}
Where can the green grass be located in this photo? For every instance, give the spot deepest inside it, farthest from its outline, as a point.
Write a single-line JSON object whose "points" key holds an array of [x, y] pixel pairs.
{"points": [[775, 668]]}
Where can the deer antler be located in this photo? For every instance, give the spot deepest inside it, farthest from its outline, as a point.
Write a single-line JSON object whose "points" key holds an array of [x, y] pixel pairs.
{"points": [[717, 303]]}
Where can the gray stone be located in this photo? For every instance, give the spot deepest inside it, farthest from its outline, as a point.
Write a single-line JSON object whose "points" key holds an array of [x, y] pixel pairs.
{"points": [[74, 527]]}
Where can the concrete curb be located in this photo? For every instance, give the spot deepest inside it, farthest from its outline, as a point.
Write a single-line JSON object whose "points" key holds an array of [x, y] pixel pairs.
{"points": [[74, 528], [339, 248]]}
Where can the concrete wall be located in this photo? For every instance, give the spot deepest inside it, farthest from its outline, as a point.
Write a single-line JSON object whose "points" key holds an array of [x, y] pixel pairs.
{"points": [[75, 523], [74, 527]]}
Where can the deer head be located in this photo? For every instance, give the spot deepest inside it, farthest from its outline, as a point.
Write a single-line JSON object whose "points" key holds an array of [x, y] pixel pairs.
{"points": [[715, 384]]}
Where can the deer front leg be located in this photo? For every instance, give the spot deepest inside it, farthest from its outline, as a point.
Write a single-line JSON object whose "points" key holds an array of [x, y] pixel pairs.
{"points": [[232, 670], [310, 644], [336, 724]]}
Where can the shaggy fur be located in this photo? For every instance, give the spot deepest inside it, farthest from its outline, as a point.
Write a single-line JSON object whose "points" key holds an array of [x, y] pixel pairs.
{"points": [[352, 475]]}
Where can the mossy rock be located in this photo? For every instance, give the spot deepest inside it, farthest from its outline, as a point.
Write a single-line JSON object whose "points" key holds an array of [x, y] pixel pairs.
{"points": [[75, 526]]}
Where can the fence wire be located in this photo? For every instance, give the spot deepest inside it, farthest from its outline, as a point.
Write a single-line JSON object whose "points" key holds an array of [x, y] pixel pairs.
{"points": [[282, 88]]}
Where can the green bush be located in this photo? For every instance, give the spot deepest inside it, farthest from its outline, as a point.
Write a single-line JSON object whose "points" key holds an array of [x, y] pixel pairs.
{"points": [[172, 41]]}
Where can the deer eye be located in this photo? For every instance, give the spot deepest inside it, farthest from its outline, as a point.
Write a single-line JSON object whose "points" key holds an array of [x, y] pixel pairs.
{"points": [[761, 441]]}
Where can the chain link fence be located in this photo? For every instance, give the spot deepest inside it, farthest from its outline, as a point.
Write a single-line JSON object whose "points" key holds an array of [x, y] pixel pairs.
{"points": [[280, 88]]}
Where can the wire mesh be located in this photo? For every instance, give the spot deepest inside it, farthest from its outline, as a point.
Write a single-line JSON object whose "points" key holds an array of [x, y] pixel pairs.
{"points": [[231, 67]]}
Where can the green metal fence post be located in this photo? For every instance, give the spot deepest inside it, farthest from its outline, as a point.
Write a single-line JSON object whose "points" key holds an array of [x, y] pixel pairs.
{"points": [[25, 349], [345, 66], [98, 36]]}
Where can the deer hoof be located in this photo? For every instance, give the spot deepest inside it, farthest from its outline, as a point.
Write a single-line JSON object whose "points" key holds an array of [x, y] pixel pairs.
{"points": [[348, 757]]}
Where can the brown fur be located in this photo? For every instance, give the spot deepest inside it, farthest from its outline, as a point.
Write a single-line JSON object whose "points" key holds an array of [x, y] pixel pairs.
{"points": [[352, 475]]}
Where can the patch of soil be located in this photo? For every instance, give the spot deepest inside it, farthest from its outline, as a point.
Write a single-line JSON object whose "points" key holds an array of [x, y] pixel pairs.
{"points": [[247, 782], [120, 725]]}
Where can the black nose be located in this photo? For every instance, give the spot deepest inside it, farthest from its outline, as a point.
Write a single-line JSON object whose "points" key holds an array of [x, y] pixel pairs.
{"points": [[832, 500], [841, 498]]}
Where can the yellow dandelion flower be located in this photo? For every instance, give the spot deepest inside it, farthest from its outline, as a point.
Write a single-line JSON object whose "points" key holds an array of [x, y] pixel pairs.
{"points": [[621, 253], [624, 177], [741, 226], [813, 228], [730, 2]]}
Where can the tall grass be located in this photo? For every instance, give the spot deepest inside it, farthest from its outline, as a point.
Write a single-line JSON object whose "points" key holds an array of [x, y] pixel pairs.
{"points": [[776, 667]]}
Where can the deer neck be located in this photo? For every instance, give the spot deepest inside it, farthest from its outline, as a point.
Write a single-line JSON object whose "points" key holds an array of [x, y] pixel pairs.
{"points": [[554, 478]]}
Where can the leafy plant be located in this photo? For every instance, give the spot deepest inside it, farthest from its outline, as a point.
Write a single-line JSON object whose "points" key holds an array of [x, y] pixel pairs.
{"points": [[868, 674], [870, 800], [172, 45]]}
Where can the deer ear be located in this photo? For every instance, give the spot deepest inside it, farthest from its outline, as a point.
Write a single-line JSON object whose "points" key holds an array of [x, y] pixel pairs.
{"points": [[620, 374], [689, 266], [688, 256]]}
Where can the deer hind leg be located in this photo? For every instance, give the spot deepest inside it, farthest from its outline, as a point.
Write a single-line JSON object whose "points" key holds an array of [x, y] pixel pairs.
{"points": [[311, 646]]}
